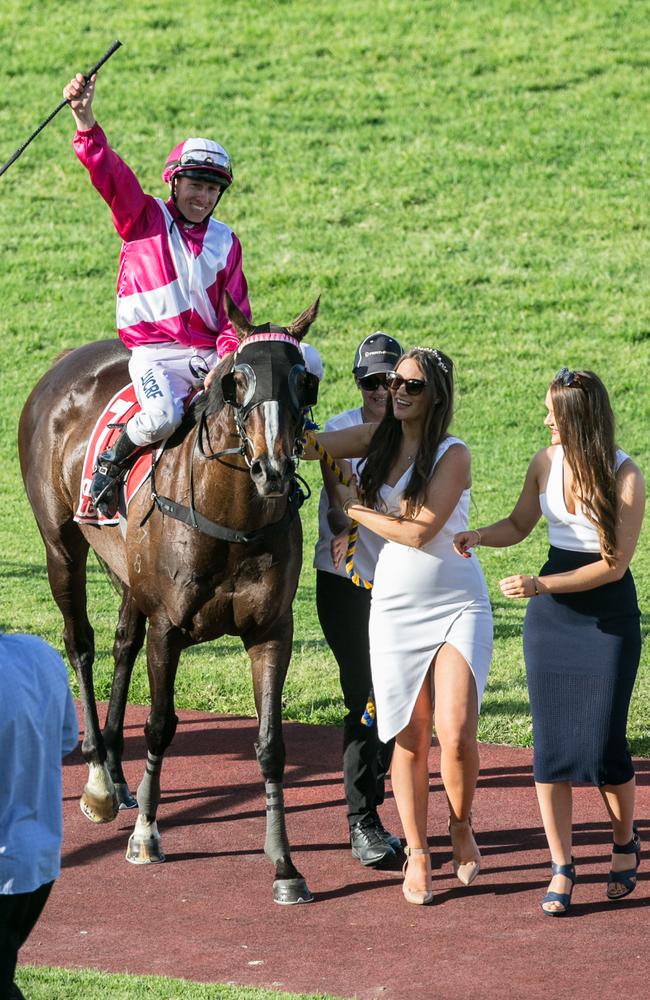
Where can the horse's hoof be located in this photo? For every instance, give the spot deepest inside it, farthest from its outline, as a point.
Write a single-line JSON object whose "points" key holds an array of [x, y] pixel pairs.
{"points": [[287, 891], [144, 850], [99, 810], [124, 797]]}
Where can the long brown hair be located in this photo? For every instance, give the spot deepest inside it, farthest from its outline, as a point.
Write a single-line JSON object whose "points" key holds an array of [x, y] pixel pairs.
{"points": [[438, 373], [585, 421]]}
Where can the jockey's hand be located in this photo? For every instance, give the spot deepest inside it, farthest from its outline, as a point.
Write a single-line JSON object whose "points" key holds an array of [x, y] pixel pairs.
{"points": [[338, 548], [209, 378], [79, 96]]}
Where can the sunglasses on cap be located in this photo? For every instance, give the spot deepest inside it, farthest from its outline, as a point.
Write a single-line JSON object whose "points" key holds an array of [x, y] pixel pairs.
{"points": [[567, 377], [372, 382], [412, 386]]}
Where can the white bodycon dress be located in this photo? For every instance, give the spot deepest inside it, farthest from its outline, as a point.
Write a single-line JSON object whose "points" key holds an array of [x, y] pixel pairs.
{"points": [[420, 599]]}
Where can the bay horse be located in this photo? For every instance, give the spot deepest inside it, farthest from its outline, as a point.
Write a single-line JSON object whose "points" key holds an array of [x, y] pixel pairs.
{"points": [[213, 548]]}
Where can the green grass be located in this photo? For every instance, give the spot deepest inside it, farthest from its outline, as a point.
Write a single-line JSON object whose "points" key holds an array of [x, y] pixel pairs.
{"points": [[472, 176], [465, 175], [62, 984]]}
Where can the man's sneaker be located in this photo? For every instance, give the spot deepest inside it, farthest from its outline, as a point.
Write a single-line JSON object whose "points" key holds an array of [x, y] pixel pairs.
{"points": [[390, 838], [368, 845]]}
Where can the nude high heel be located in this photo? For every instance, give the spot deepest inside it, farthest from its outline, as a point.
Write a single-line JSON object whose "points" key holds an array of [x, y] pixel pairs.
{"points": [[421, 897], [465, 871]]}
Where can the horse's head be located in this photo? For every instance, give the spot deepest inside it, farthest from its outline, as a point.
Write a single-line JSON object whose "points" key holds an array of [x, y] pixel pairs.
{"points": [[270, 390]]}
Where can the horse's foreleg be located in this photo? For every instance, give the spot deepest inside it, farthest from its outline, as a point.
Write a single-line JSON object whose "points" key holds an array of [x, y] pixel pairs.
{"points": [[129, 637], [164, 645], [66, 568], [270, 660]]}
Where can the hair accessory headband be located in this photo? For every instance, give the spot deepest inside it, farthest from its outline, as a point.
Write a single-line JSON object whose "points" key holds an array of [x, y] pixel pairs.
{"points": [[436, 354]]}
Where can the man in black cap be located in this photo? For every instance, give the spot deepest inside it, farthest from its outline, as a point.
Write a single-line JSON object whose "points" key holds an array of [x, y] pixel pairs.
{"points": [[343, 611]]}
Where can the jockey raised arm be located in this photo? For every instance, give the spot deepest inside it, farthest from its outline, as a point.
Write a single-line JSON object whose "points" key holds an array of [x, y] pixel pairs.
{"points": [[176, 265]]}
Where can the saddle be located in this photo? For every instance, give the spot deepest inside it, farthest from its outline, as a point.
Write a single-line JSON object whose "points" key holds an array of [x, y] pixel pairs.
{"points": [[118, 411]]}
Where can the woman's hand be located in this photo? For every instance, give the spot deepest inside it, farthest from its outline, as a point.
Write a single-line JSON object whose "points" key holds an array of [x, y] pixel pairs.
{"points": [[463, 541], [519, 586]]}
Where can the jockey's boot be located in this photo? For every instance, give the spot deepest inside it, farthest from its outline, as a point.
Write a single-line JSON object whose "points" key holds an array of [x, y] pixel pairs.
{"points": [[110, 469]]}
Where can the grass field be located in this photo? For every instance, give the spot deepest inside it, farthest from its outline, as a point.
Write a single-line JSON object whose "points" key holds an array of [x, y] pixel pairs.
{"points": [[465, 175]]}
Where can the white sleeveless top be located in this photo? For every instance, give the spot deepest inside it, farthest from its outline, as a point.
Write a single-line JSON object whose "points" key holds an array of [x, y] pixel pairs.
{"points": [[574, 532]]}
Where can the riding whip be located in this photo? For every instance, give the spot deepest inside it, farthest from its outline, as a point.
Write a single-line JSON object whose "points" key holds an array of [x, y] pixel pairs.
{"points": [[91, 72]]}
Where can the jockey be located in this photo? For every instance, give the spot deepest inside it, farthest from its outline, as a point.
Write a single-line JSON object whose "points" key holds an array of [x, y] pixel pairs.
{"points": [[176, 264]]}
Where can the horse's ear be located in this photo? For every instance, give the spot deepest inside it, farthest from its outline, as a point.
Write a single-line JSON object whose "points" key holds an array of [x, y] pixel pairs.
{"points": [[240, 324], [301, 323]]}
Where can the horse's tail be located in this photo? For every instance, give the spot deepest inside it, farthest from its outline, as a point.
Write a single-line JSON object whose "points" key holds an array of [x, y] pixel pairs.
{"points": [[118, 584]]}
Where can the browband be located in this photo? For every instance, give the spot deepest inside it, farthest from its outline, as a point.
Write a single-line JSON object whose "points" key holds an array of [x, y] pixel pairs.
{"points": [[257, 338]]}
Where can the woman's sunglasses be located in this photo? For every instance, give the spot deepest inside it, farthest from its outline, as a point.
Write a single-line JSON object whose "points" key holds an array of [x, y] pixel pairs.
{"points": [[412, 386], [372, 382]]}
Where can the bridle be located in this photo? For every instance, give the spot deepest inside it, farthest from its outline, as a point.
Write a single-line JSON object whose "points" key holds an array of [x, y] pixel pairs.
{"points": [[243, 399], [264, 386]]}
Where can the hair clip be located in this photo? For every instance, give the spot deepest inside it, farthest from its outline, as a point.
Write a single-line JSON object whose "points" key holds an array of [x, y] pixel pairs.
{"points": [[566, 376]]}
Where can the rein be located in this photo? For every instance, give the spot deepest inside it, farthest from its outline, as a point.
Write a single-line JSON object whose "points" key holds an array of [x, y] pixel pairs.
{"points": [[192, 517]]}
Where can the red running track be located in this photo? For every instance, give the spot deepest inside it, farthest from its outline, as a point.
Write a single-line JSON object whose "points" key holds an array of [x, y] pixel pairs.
{"points": [[207, 914]]}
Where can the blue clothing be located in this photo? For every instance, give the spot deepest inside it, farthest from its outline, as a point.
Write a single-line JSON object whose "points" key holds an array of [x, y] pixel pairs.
{"points": [[582, 653], [38, 726]]}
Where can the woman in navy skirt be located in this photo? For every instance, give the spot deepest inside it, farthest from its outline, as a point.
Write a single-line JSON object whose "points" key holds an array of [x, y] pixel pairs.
{"points": [[582, 638]]}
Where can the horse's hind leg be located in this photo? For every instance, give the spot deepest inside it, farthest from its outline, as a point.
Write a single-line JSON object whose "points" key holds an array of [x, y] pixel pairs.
{"points": [[129, 637], [270, 661], [66, 569], [164, 645]]}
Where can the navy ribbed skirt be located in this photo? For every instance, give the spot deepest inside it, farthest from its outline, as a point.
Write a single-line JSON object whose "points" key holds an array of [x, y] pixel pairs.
{"points": [[582, 655]]}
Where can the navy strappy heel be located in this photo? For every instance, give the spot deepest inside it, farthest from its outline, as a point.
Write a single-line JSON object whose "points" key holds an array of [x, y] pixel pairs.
{"points": [[627, 878], [563, 898]]}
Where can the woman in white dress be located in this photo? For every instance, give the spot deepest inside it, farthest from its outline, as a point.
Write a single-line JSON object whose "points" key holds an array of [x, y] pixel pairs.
{"points": [[430, 619]]}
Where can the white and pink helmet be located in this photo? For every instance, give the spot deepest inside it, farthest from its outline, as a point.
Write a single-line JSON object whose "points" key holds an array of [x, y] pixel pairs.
{"points": [[199, 158]]}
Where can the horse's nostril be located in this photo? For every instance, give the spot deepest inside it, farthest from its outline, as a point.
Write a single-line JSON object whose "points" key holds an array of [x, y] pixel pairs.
{"points": [[256, 467]]}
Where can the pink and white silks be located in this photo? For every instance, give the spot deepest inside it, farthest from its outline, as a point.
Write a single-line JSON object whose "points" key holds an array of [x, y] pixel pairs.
{"points": [[171, 280], [170, 289]]}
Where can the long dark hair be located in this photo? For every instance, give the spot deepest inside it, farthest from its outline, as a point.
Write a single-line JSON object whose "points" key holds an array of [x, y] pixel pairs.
{"points": [[585, 421], [438, 373]]}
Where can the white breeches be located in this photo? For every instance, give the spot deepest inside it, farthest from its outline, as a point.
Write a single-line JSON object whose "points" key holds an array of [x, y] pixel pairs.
{"points": [[163, 375]]}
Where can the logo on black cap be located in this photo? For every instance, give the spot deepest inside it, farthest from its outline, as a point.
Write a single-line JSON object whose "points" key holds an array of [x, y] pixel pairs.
{"points": [[377, 353]]}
